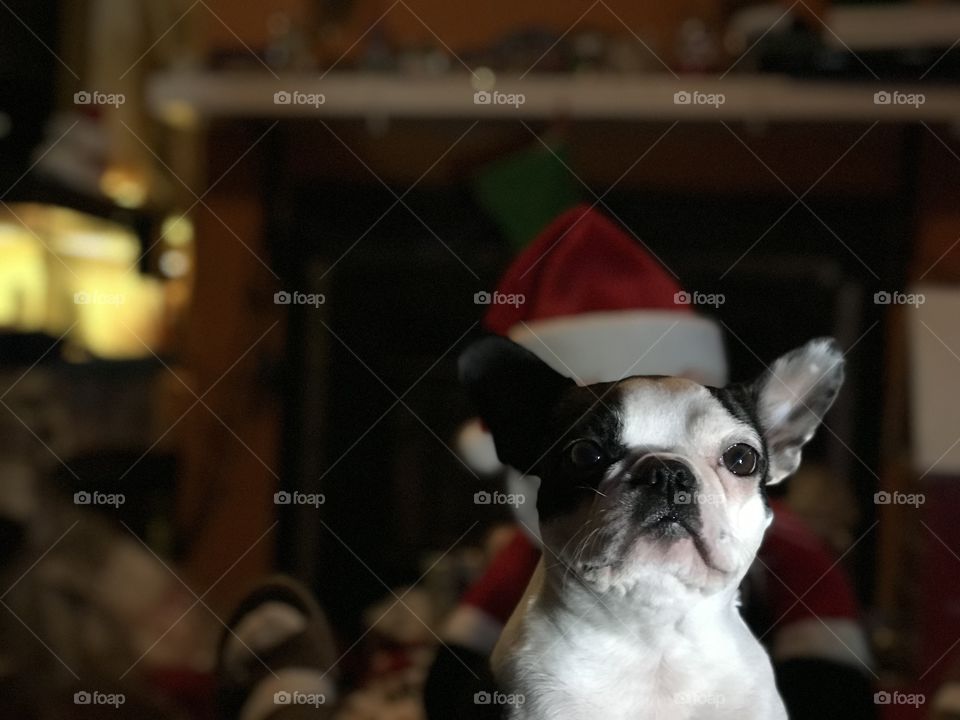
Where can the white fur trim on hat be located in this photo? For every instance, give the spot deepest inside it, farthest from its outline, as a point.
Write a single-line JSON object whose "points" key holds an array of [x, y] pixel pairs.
{"points": [[607, 346]]}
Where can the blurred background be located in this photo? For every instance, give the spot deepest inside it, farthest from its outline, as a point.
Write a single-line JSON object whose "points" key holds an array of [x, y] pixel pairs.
{"points": [[240, 250]]}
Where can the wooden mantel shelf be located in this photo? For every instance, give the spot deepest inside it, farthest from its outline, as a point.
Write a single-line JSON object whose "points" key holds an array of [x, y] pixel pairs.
{"points": [[184, 97]]}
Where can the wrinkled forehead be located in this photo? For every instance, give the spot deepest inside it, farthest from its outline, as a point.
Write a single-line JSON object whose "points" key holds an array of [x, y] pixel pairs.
{"points": [[662, 413]]}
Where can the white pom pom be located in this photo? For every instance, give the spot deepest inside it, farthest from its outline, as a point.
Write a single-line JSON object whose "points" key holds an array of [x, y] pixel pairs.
{"points": [[475, 446]]}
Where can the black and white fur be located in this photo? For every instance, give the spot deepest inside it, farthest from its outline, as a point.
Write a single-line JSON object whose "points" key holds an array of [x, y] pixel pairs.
{"points": [[633, 610]]}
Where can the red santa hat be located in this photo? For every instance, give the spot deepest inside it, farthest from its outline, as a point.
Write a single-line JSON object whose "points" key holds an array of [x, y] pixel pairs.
{"points": [[592, 303]]}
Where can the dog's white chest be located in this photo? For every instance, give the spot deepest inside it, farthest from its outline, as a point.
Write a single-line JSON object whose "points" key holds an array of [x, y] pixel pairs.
{"points": [[630, 673]]}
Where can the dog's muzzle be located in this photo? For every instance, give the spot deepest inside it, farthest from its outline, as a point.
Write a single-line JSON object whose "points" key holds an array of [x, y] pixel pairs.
{"points": [[667, 476], [665, 489]]}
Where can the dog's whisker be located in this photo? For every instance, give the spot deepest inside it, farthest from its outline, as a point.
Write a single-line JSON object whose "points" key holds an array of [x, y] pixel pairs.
{"points": [[591, 489], [578, 556]]}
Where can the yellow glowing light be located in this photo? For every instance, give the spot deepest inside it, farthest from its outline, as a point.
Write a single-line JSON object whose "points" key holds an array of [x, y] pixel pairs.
{"points": [[23, 280], [11, 233], [180, 114], [174, 263], [113, 247], [124, 186], [177, 231], [119, 316], [483, 79], [62, 270]]}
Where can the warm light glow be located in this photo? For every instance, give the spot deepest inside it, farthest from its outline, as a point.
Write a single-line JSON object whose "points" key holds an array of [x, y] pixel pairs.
{"points": [[63, 270], [111, 246], [177, 231], [12, 233], [118, 315], [124, 186], [483, 78], [180, 114], [23, 280], [174, 263]]}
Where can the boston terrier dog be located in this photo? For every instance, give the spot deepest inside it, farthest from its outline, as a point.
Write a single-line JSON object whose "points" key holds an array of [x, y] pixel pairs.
{"points": [[652, 506]]}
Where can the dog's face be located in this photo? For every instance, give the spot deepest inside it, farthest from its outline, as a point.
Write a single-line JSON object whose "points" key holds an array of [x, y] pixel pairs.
{"points": [[651, 485]]}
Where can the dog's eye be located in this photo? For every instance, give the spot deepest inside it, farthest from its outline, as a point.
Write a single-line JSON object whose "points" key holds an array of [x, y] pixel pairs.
{"points": [[584, 454], [741, 459]]}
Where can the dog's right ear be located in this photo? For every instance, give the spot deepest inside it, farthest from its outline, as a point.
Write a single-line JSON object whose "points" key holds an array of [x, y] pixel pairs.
{"points": [[792, 397], [514, 392]]}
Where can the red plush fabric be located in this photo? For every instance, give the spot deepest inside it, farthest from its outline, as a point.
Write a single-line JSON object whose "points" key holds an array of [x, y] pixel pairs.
{"points": [[500, 588], [191, 691], [801, 565], [582, 262]]}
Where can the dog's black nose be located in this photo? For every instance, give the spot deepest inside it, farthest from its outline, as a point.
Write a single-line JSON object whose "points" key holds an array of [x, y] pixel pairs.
{"points": [[667, 475]]}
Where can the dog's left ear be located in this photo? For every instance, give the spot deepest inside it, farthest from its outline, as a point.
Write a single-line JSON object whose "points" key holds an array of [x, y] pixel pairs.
{"points": [[792, 397], [514, 391]]}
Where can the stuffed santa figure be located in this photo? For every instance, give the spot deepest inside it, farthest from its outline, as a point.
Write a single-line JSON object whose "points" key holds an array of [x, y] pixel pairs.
{"points": [[593, 304]]}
